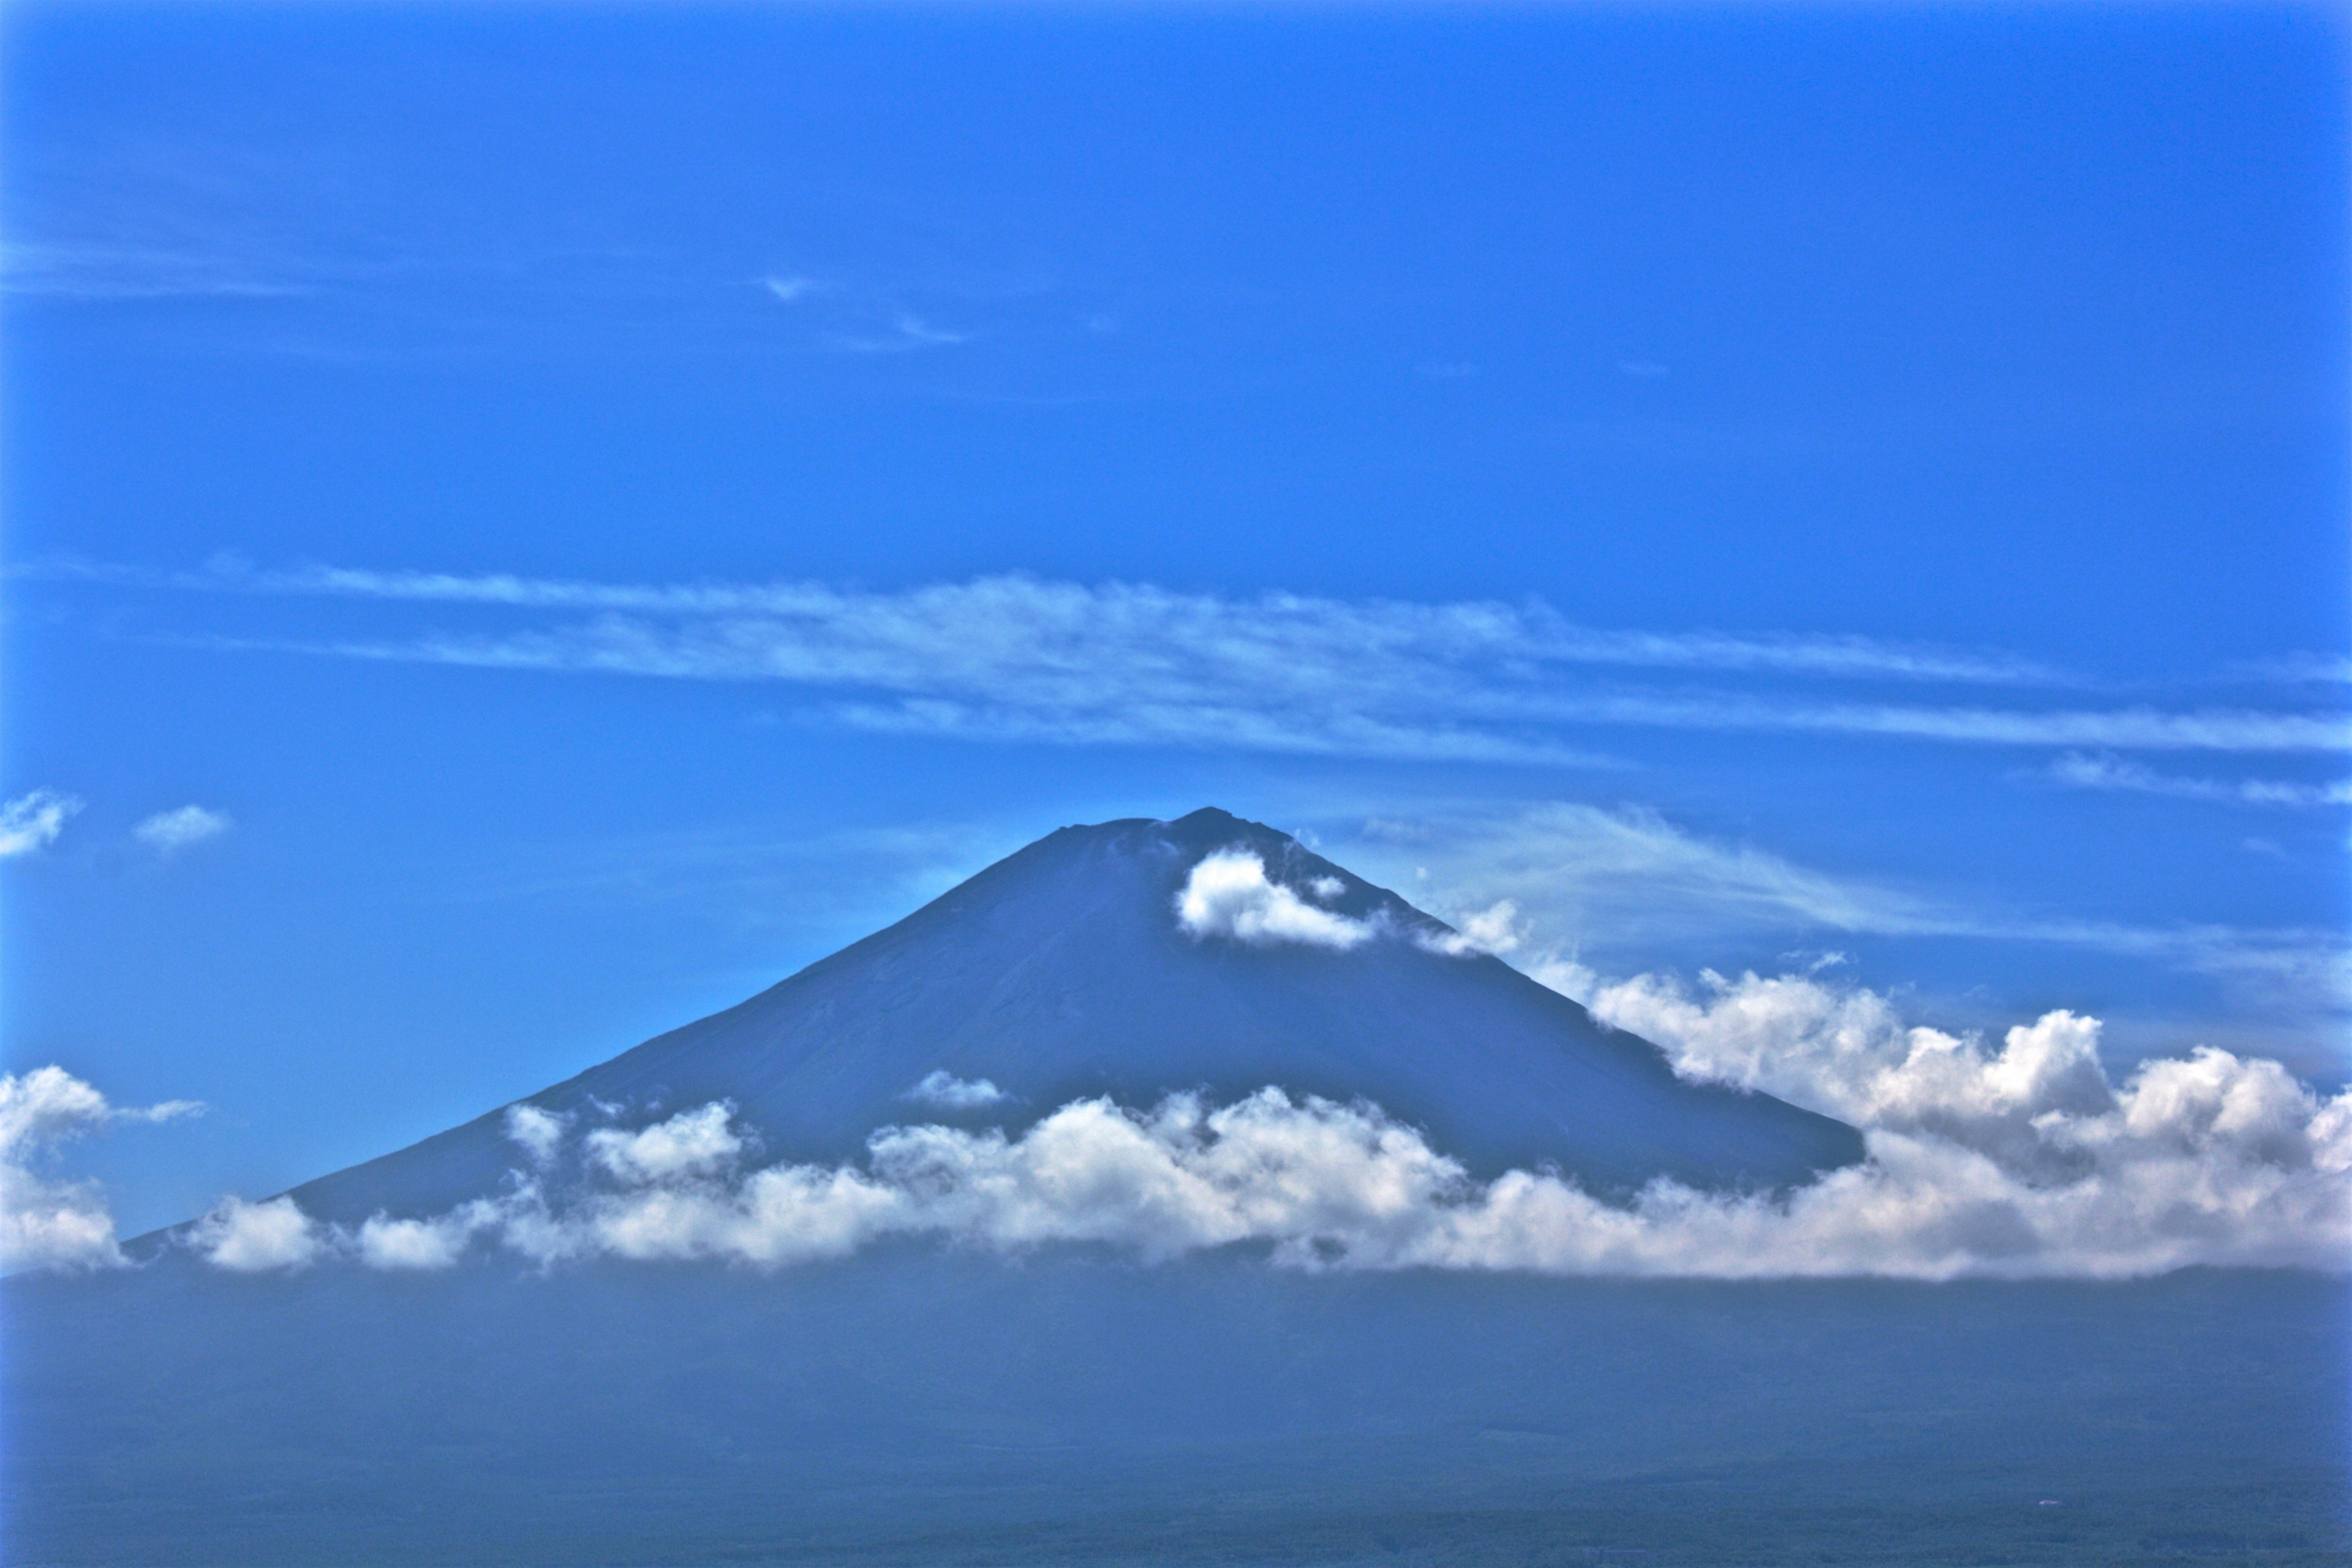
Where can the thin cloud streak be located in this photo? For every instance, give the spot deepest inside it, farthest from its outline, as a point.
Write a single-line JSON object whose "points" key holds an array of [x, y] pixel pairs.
{"points": [[1017, 658], [1113, 613], [1571, 872], [2107, 773]]}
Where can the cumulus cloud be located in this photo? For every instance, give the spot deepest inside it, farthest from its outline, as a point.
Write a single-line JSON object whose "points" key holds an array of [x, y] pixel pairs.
{"points": [[692, 1143], [2024, 1161], [33, 821], [1228, 895], [46, 1223], [943, 1088], [169, 832], [253, 1238], [424, 1244]]}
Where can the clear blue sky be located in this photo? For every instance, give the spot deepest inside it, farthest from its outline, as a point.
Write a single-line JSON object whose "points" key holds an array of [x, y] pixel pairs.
{"points": [[1745, 484]]}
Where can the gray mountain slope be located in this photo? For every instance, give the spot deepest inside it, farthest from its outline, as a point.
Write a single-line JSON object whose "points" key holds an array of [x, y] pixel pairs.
{"points": [[1062, 972]]}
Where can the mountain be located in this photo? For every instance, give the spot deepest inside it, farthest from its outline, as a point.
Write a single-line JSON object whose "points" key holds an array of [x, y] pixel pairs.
{"points": [[1063, 971]]}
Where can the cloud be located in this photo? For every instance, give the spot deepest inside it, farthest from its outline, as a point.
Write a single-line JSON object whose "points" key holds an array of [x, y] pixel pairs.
{"points": [[1630, 871], [1017, 658], [169, 832], [253, 1238], [1626, 879], [788, 288], [45, 1223], [1495, 929], [539, 1132], [111, 273], [2078, 771], [693, 1143], [33, 821], [906, 333], [943, 1088], [2026, 1160], [421, 1245], [1227, 895]]}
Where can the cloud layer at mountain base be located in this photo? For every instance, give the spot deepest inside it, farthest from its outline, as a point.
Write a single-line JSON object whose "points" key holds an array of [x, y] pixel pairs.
{"points": [[2024, 1161]]}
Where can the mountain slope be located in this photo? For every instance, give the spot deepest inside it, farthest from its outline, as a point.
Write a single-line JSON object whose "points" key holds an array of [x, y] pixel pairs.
{"points": [[1062, 970]]}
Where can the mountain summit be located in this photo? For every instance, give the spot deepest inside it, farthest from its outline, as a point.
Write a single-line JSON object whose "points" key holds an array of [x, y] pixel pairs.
{"points": [[1134, 959]]}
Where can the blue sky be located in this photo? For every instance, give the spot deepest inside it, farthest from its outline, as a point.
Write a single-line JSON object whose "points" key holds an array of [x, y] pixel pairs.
{"points": [[604, 506]]}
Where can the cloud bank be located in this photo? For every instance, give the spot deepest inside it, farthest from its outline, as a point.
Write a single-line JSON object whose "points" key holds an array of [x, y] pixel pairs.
{"points": [[2016, 1163], [45, 1223]]}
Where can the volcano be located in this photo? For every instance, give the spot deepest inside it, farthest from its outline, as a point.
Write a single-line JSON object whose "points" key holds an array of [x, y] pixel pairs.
{"points": [[1066, 971]]}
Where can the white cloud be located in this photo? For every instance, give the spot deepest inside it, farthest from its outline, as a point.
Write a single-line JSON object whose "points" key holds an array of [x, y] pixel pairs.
{"points": [[169, 832], [253, 1239], [2079, 770], [1228, 895], [539, 1132], [33, 821], [943, 1088], [45, 1223]]}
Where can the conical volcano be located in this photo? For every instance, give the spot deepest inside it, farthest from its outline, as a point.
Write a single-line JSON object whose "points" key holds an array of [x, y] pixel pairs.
{"points": [[1138, 958]]}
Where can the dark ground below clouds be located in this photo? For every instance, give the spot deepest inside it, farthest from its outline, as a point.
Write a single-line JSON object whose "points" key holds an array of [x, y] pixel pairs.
{"points": [[914, 1407]]}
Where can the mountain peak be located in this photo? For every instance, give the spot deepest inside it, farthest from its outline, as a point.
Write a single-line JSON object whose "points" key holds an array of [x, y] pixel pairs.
{"points": [[1138, 958]]}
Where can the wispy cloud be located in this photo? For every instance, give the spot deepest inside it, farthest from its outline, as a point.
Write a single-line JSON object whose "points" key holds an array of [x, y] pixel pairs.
{"points": [[904, 334], [182, 828], [131, 273], [33, 821], [1626, 879], [1014, 657], [2078, 771]]}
